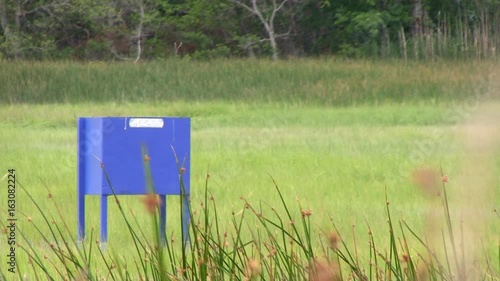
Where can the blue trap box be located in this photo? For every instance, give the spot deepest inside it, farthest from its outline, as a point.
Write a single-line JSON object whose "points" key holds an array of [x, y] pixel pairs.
{"points": [[121, 147]]}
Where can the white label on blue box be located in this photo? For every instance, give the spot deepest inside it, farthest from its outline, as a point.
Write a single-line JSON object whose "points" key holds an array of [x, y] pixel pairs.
{"points": [[145, 123]]}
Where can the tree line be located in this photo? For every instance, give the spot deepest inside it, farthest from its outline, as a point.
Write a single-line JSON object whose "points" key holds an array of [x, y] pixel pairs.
{"points": [[203, 29]]}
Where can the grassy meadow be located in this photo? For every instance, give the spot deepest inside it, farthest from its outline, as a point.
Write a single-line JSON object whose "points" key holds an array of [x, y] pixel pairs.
{"points": [[337, 136]]}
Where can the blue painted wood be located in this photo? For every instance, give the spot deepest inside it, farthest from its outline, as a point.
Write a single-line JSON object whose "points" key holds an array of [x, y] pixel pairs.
{"points": [[119, 147]]}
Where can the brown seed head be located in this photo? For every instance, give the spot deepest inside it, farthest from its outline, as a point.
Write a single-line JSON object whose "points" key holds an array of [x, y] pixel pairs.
{"points": [[422, 272], [427, 180], [181, 270], [146, 158], [405, 258], [333, 239], [272, 252], [183, 170], [323, 271], [445, 178], [253, 269], [306, 213], [151, 202]]}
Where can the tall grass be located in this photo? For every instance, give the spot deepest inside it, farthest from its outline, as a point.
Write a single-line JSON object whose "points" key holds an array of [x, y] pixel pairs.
{"points": [[278, 247], [473, 34], [314, 82]]}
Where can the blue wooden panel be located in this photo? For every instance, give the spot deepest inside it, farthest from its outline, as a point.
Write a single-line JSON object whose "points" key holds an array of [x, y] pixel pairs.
{"points": [[119, 142]]}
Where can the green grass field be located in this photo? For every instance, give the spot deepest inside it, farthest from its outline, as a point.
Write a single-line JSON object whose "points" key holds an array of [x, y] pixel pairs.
{"points": [[337, 136]]}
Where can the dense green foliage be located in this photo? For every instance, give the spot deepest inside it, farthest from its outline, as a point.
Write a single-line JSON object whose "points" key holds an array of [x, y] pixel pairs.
{"points": [[325, 82], [201, 29]]}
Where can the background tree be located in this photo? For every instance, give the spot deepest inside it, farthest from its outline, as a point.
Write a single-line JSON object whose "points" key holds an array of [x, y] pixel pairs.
{"points": [[204, 29], [266, 13]]}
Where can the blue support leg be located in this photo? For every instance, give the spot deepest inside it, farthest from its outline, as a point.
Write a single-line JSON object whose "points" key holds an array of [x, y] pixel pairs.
{"points": [[81, 184], [104, 219], [163, 219], [81, 217], [186, 219]]}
